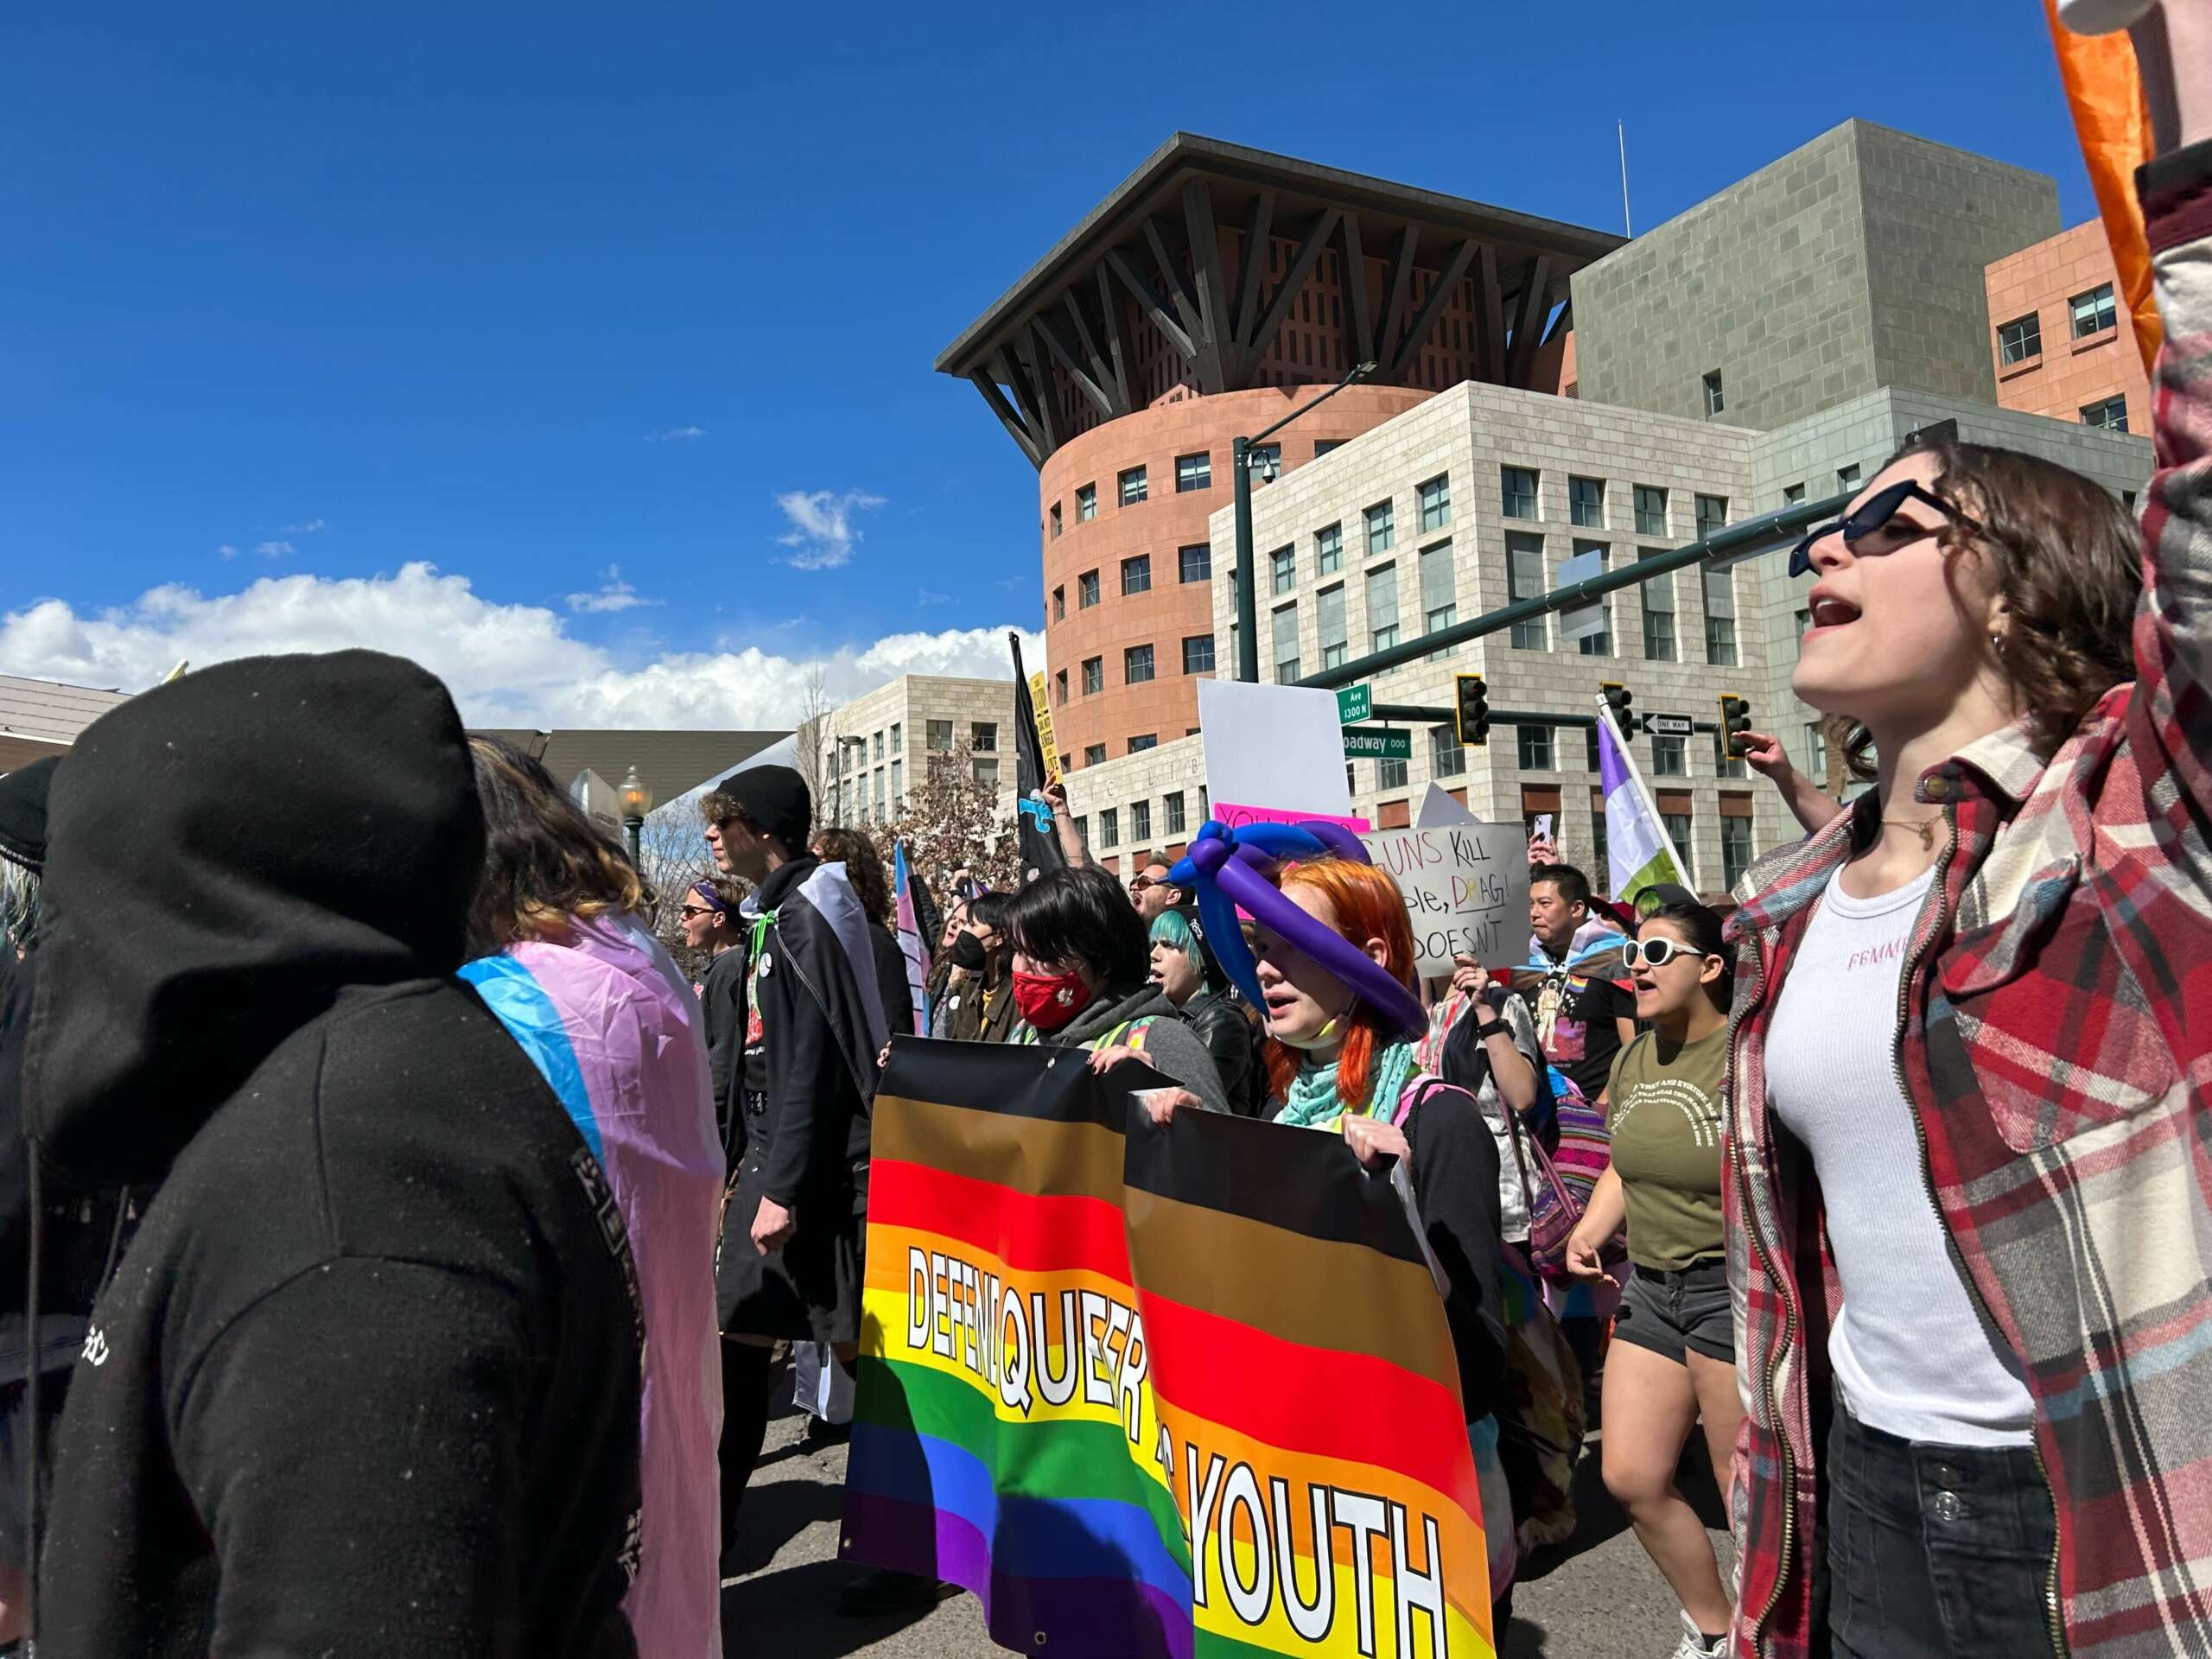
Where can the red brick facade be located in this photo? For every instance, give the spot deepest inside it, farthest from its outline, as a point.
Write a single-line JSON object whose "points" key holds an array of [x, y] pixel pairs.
{"points": [[2068, 375]]}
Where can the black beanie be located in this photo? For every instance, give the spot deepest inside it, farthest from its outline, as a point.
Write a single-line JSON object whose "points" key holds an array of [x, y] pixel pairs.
{"points": [[22, 812], [773, 799]]}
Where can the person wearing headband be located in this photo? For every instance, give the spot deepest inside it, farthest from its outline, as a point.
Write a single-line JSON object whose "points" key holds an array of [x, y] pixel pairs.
{"points": [[708, 919]]}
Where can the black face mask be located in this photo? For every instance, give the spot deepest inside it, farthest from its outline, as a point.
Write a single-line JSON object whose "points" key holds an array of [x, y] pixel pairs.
{"points": [[967, 952]]}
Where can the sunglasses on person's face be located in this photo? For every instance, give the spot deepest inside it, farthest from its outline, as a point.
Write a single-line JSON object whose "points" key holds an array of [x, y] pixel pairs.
{"points": [[689, 911], [1140, 883], [1873, 515], [1655, 953]]}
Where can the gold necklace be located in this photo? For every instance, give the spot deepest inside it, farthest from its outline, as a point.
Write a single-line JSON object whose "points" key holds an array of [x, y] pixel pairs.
{"points": [[1926, 827]]}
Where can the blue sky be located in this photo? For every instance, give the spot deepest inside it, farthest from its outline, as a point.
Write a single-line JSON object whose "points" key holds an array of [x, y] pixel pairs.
{"points": [[319, 295]]}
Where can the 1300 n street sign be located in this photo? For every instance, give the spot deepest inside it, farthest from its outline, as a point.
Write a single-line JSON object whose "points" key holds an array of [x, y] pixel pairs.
{"points": [[1378, 743]]}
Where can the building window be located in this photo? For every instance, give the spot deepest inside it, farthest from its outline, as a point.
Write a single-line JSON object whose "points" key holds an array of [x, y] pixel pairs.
{"points": [[1055, 517], [1197, 653], [1714, 402], [1390, 774], [1144, 740], [1194, 473], [1735, 849], [1110, 826], [1658, 611], [1535, 743], [1792, 494], [1132, 487], [1650, 510], [987, 770], [939, 736], [1598, 644], [1439, 599], [1286, 633], [878, 754], [1817, 752], [1381, 528], [897, 738], [1086, 502], [1060, 604], [2018, 341], [1136, 664], [1328, 549], [1136, 575], [1601, 858], [1283, 570], [1197, 562], [1590, 750], [2094, 312], [1086, 590], [1382, 607], [1517, 492], [1060, 688], [2111, 414], [1094, 676], [1711, 514], [1585, 502], [1678, 831], [1846, 479], [1435, 497], [1139, 819], [983, 736], [897, 786], [1322, 446], [1173, 802], [1446, 758], [1669, 758], [1721, 618], [1082, 828], [1334, 641], [1524, 579], [1094, 754]]}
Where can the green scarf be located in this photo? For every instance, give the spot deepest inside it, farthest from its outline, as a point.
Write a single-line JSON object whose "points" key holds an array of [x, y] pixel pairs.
{"points": [[1313, 1103]]}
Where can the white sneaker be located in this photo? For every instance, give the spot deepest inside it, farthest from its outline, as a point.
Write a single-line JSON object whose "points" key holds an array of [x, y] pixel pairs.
{"points": [[1696, 1645]]}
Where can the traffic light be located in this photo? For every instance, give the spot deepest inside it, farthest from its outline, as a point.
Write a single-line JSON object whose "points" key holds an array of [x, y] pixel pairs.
{"points": [[1735, 721], [1617, 698], [1473, 708]]}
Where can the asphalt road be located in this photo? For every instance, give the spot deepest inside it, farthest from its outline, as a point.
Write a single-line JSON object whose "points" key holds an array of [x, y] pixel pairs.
{"points": [[1599, 1598]]}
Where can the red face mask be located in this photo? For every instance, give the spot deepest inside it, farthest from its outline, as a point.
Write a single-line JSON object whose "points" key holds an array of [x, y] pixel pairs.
{"points": [[1048, 1000]]}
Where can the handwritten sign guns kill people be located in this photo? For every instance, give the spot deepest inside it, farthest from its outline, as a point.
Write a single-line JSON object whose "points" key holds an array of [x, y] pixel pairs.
{"points": [[1466, 889]]}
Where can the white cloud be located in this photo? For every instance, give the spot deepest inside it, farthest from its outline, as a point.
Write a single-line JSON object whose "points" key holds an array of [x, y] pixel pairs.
{"points": [[312, 527], [924, 596], [676, 435], [276, 550], [227, 550], [822, 525], [613, 595], [507, 664]]}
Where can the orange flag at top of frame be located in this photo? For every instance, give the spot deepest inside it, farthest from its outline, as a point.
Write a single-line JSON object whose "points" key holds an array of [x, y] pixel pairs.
{"points": [[2106, 96]]}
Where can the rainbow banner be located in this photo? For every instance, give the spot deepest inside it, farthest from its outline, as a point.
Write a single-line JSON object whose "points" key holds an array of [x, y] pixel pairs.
{"points": [[1181, 1392]]}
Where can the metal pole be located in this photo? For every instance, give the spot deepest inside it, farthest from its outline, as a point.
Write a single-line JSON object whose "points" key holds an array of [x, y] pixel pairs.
{"points": [[1247, 599], [632, 826]]}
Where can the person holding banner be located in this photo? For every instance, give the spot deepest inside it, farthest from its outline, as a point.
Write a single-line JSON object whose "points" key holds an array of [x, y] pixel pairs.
{"points": [[1971, 1217]]}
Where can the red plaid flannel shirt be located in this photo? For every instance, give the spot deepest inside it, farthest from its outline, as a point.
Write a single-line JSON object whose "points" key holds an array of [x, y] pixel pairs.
{"points": [[2055, 1023]]}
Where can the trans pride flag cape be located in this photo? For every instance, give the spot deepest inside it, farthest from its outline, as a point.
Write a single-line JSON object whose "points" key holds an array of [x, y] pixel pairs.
{"points": [[1154, 1393], [913, 945], [613, 1029]]}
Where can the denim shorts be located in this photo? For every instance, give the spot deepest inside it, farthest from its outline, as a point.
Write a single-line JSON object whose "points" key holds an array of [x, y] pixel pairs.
{"points": [[1935, 1551], [1669, 1313]]}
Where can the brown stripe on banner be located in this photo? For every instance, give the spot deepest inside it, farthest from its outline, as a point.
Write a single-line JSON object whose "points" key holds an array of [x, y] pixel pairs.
{"points": [[1027, 1154], [1312, 1291]]}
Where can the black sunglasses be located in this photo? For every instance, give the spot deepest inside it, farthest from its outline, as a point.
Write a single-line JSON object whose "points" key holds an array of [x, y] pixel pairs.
{"points": [[1875, 511]]}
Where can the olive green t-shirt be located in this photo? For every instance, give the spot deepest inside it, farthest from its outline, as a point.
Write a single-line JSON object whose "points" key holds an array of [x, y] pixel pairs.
{"points": [[1665, 1119]]}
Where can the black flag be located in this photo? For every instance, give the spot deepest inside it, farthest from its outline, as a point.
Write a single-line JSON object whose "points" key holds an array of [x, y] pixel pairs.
{"points": [[1041, 841]]}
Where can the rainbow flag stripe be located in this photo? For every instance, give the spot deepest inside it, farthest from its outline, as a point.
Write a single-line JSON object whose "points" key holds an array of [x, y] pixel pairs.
{"points": [[1040, 1423]]}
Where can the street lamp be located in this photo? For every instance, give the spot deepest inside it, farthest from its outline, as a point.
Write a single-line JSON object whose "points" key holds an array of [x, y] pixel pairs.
{"points": [[1241, 462], [637, 801]]}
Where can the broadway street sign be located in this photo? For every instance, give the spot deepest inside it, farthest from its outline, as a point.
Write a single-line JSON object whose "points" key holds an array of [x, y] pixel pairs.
{"points": [[1376, 743]]}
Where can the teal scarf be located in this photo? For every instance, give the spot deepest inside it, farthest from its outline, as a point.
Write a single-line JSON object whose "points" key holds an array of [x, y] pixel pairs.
{"points": [[1311, 1102]]}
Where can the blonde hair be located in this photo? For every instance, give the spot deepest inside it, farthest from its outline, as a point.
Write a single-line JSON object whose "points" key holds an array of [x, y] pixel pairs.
{"points": [[545, 862]]}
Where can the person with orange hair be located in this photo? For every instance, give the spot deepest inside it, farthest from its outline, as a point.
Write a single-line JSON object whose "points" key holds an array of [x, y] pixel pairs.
{"points": [[1338, 1061]]}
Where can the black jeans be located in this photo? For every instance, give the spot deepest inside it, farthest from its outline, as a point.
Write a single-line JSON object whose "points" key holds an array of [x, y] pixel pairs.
{"points": [[1935, 1551]]}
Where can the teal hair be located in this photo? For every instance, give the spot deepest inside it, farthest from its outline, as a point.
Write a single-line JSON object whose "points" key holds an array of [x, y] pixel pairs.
{"points": [[1173, 929]]}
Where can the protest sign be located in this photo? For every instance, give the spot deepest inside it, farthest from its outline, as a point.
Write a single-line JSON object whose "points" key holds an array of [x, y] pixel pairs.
{"points": [[1077, 1324], [1236, 816], [1279, 746], [1466, 890], [1439, 808]]}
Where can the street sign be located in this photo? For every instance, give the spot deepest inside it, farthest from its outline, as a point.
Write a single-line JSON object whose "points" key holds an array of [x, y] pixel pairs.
{"points": [[1669, 725], [1376, 742], [1355, 703]]}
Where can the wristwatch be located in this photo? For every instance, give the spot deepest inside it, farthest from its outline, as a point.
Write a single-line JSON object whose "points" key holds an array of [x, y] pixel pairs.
{"points": [[1491, 1028]]}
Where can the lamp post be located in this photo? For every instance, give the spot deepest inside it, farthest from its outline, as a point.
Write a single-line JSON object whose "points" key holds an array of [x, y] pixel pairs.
{"points": [[637, 801], [1240, 463]]}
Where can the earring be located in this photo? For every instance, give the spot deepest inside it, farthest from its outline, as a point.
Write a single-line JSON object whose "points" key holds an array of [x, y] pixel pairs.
{"points": [[1997, 642]]}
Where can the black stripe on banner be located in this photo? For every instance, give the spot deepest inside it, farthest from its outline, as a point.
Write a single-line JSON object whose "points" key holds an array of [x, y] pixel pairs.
{"points": [[1017, 1080], [1303, 1180]]}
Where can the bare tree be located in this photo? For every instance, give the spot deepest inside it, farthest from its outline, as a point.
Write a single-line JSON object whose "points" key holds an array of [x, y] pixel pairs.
{"points": [[953, 822], [814, 708], [672, 855]]}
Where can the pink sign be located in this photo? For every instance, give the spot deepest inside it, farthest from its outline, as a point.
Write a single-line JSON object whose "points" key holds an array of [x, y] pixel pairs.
{"points": [[1237, 816]]}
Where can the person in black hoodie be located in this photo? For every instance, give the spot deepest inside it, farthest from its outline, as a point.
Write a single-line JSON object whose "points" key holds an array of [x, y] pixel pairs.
{"points": [[368, 1381]]}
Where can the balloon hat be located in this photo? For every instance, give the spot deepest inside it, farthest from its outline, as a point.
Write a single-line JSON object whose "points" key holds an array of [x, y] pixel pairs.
{"points": [[1233, 867]]}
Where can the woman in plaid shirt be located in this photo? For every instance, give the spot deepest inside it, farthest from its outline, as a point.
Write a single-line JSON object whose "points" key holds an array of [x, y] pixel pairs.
{"points": [[1969, 1192]]}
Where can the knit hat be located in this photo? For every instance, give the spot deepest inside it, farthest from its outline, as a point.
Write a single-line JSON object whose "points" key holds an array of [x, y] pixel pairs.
{"points": [[23, 813], [773, 799]]}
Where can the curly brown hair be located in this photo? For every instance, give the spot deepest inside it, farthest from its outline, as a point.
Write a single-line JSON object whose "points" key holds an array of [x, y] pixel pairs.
{"points": [[544, 860], [2068, 561], [863, 868]]}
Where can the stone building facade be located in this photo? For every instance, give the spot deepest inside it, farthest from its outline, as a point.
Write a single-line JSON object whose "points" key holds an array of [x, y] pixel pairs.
{"points": [[863, 758]]}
